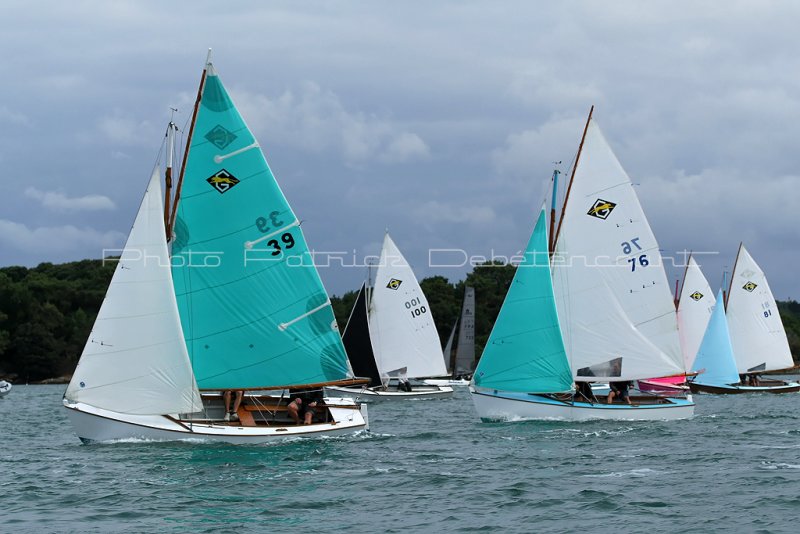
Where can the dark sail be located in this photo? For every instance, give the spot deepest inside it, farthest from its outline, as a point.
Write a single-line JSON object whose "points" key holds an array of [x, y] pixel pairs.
{"points": [[357, 342]]}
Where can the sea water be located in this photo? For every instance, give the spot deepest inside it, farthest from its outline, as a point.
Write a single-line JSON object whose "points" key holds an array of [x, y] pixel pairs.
{"points": [[426, 466]]}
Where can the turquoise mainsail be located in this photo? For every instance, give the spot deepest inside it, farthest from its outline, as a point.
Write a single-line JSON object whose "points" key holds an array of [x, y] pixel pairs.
{"points": [[525, 351], [715, 361], [253, 308]]}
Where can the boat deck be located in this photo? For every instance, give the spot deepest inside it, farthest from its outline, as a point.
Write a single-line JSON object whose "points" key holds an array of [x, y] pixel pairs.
{"points": [[256, 411], [636, 400]]}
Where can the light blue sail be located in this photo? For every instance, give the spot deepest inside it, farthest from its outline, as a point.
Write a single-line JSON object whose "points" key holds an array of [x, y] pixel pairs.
{"points": [[715, 356], [525, 351], [253, 308]]}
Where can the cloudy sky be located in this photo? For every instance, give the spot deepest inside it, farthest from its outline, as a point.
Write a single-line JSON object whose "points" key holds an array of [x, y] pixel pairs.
{"points": [[439, 120]]}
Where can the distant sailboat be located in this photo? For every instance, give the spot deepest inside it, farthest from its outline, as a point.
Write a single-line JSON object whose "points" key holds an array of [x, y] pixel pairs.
{"points": [[605, 315], [239, 306], [391, 337], [752, 339], [695, 305], [462, 361]]}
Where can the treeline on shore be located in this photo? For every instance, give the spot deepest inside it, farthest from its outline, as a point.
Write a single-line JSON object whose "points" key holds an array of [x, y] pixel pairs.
{"points": [[47, 312]]}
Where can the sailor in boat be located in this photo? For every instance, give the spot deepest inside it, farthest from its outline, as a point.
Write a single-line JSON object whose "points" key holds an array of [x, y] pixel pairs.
{"points": [[232, 415], [296, 407], [584, 392], [619, 390]]}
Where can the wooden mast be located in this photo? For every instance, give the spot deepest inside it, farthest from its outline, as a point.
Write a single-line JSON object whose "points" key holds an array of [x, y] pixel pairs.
{"points": [[551, 238], [188, 145], [572, 177], [171, 129]]}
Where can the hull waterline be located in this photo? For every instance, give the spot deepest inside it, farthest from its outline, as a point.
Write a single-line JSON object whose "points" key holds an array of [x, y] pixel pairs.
{"points": [[509, 406]]}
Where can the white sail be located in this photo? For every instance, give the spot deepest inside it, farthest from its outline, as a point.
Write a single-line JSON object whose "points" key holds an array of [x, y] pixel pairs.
{"points": [[695, 305], [614, 302], [135, 359], [757, 334], [404, 337]]}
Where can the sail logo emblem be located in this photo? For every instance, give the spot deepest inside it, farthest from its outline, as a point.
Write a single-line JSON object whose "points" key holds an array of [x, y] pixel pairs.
{"points": [[220, 137], [222, 181], [749, 286], [696, 295], [601, 209], [394, 283]]}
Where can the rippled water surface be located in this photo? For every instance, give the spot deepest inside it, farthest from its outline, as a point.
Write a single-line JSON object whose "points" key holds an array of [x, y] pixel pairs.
{"points": [[425, 466]]}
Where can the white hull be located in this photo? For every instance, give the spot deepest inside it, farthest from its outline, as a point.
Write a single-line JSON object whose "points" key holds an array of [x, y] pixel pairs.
{"points": [[5, 387], [445, 382], [372, 395], [96, 425], [509, 406]]}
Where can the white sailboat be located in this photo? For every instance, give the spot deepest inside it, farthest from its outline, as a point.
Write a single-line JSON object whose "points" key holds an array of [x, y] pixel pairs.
{"points": [[615, 318], [226, 313], [755, 334], [391, 337], [462, 361], [695, 305], [5, 388]]}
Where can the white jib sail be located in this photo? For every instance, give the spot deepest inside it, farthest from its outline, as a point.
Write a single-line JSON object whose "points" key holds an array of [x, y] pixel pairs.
{"points": [[135, 360], [757, 334], [400, 322], [695, 306], [614, 302]]}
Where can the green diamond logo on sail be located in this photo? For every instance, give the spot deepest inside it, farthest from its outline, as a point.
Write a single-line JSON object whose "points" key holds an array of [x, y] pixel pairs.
{"points": [[601, 209], [749, 286], [696, 295], [222, 181], [394, 283], [220, 137]]}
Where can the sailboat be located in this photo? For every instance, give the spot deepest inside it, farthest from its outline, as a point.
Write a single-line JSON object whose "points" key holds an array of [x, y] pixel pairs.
{"points": [[391, 337], [237, 306], [5, 388], [462, 361], [751, 340], [605, 313], [694, 307]]}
